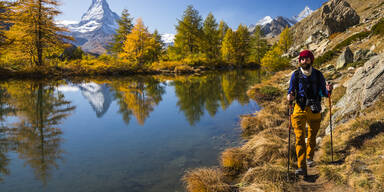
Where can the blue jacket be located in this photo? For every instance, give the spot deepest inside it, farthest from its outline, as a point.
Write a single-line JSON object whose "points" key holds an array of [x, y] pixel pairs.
{"points": [[319, 88]]}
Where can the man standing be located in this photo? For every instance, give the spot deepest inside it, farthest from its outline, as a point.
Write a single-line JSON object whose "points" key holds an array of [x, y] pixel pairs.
{"points": [[307, 86]]}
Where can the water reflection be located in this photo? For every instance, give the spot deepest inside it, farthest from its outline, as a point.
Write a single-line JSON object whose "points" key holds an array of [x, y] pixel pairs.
{"points": [[137, 96], [99, 96], [212, 91], [5, 110], [33, 114], [35, 134]]}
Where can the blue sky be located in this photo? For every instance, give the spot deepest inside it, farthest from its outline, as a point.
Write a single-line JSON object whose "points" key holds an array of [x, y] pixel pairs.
{"points": [[163, 14]]}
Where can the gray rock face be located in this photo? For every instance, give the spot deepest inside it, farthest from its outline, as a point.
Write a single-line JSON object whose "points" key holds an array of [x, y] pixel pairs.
{"points": [[345, 58], [275, 27], [363, 54], [337, 16], [366, 85]]}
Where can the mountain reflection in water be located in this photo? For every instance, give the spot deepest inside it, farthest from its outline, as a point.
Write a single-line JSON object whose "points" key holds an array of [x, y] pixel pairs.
{"points": [[43, 124]]}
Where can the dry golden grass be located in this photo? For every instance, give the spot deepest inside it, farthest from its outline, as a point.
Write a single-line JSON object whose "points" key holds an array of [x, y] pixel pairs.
{"points": [[337, 94], [265, 178], [265, 147], [232, 161], [358, 146], [333, 36], [271, 116], [205, 180]]}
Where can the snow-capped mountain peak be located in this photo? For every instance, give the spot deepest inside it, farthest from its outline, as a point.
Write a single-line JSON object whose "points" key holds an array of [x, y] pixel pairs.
{"points": [[264, 20], [96, 28], [303, 14], [65, 22], [98, 10], [98, 15], [168, 38]]}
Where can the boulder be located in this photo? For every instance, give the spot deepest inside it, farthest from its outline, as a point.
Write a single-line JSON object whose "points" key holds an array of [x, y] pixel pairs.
{"points": [[363, 89], [345, 58], [337, 16]]}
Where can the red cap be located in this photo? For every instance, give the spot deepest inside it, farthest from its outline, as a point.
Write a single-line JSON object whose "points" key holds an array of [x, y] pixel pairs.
{"points": [[307, 54]]}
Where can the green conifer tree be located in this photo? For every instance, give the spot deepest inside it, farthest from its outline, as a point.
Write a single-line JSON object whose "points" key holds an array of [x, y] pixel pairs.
{"points": [[125, 27], [211, 45], [258, 47], [157, 47], [188, 33], [242, 44]]}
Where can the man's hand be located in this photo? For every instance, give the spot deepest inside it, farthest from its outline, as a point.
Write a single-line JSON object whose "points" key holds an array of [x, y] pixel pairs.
{"points": [[329, 87], [290, 97]]}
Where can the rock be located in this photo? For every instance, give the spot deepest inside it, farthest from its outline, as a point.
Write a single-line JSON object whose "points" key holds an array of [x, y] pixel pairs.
{"points": [[351, 68], [360, 55], [329, 67], [316, 37], [371, 54], [363, 54], [373, 47], [345, 58], [293, 52], [337, 16], [365, 86], [318, 140]]}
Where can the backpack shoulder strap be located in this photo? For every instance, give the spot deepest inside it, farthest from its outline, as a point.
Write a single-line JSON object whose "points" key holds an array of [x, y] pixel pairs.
{"points": [[298, 75]]}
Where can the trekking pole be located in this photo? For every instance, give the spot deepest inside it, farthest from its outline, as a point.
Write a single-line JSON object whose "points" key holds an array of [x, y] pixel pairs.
{"points": [[330, 121], [289, 137]]}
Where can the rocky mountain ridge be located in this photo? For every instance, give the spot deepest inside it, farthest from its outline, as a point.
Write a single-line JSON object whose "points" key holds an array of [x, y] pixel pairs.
{"points": [[273, 27], [96, 29]]}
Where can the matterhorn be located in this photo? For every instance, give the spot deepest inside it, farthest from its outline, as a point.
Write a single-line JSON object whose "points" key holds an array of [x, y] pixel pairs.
{"points": [[96, 29]]}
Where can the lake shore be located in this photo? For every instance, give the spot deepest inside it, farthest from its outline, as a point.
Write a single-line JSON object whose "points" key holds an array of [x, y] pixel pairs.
{"points": [[73, 72]]}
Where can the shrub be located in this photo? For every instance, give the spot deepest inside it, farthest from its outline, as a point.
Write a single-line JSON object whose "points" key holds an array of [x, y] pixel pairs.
{"points": [[273, 61], [378, 28], [165, 65], [327, 56], [270, 92], [349, 40], [183, 69], [265, 93]]}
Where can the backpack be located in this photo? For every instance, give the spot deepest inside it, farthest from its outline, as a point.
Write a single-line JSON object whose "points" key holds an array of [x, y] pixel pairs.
{"points": [[313, 95]]}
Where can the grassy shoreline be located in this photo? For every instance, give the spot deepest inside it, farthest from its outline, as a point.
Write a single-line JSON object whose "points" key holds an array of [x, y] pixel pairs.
{"points": [[260, 164], [71, 72]]}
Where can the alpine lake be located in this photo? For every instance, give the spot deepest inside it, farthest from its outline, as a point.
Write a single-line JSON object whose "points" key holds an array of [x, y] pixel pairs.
{"points": [[134, 134]]}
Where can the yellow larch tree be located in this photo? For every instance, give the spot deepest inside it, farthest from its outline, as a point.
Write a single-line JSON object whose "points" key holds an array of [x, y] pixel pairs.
{"points": [[286, 39], [34, 32], [137, 46]]}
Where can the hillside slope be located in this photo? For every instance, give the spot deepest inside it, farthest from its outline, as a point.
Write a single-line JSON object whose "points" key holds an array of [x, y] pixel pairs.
{"points": [[353, 60]]}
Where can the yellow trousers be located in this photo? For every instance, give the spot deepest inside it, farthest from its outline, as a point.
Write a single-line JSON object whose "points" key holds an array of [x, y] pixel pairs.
{"points": [[299, 119]]}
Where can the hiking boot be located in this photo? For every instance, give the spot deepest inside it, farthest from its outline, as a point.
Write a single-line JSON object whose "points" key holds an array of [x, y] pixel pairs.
{"points": [[301, 171], [310, 163]]}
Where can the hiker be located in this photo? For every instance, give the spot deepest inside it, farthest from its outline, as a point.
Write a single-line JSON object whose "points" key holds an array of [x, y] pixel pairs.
{"points": [[307, 86]]}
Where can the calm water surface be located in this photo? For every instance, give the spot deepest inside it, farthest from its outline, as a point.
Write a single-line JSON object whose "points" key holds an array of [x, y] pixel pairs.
{"points": [[136, 134]]}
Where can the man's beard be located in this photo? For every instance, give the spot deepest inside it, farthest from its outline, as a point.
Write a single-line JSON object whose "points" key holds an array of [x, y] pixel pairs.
{"points": [[306, 66]]}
